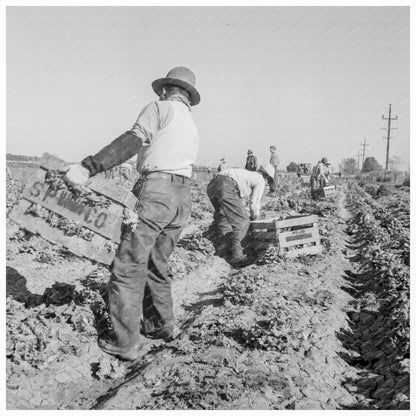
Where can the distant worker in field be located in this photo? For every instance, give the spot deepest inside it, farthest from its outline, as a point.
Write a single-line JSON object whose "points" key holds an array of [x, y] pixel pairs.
{"points": [[165, 139], [319, 178], [251, 161], [274, 161], [223, 165], [231, 219]]}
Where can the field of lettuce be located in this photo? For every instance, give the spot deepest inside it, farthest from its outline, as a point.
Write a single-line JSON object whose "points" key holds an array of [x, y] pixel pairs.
{"points": [[328, 331]]}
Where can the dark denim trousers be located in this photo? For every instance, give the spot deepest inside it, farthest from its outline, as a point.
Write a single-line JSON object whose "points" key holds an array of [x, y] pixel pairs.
{"points": [[139, 281], [230, 214], [317, 185]]}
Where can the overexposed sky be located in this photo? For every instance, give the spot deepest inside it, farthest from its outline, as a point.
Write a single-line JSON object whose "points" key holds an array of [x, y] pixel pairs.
{"points": [[314, 81]]}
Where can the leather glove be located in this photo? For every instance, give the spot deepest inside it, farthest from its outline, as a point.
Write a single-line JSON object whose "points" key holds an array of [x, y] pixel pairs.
{"points": [[76, 175]]}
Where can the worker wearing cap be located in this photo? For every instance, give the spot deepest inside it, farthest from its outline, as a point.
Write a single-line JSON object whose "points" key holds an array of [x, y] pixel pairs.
{"points": [[320, 177], [165, 139], [227, 192], [251, 161]]}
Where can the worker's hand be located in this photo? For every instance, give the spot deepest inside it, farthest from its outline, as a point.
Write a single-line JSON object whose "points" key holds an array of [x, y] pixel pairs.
{"points": [[76, 175], [254, 217]]}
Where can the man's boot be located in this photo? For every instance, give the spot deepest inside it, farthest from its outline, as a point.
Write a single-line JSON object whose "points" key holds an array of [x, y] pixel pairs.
{"points": [[237, 256], [129, 352], [223, 245]]}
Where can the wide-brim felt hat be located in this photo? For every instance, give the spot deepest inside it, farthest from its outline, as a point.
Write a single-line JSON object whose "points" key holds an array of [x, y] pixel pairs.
{"points": [[182, 77]]}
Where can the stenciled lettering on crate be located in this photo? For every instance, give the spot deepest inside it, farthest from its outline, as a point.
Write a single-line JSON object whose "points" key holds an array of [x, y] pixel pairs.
{"points": [[104, 222], [294, 235]]}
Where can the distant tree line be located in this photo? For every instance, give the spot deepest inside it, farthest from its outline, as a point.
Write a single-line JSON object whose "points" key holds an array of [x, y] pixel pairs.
{"points": [[22, 158]]}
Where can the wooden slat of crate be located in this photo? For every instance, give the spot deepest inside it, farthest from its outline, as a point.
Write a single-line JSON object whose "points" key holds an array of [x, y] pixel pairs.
{"points": [[100, 220], [97, 184], [297, 221], [289, 239], [268, 224], [317, 249], [329, 190], [94, 250]]}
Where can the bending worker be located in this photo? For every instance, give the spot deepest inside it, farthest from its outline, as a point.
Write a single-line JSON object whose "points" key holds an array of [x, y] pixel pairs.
{"points": [[226, 192], [319, 178], [166, 140]]}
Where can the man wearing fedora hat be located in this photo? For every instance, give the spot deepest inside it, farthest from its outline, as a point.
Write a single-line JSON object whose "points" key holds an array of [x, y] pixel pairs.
{"points": [[227, 191], [165, 139]]}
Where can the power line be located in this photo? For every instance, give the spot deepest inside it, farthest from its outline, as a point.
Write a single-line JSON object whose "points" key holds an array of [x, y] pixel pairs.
{"points": [[364, 145], [389, 119]]}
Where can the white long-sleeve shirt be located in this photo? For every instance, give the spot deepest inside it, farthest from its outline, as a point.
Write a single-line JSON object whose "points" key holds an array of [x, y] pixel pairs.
{"points": [[250, 184], [169, 138]]}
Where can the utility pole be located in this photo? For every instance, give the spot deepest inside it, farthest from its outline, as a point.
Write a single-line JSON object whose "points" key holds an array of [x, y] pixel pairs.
{"points": [[389, 119], [358, 159], [364, 145]]}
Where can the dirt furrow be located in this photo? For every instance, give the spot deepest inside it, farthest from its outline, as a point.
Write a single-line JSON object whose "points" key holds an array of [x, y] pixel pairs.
{"points": [[213, 366]]}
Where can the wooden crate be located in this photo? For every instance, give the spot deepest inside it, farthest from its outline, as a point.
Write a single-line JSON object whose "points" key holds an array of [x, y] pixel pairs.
{"points": [[295, 235], [341, 187], [264, 232], [329, 191], [305, 180], [105, 223]]}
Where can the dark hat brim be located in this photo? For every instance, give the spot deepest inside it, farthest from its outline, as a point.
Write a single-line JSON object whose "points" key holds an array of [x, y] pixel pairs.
{"points": [[158, 84]]}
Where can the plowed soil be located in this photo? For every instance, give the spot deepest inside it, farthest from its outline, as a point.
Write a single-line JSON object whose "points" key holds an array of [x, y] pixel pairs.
{"points": [[277, 334]]}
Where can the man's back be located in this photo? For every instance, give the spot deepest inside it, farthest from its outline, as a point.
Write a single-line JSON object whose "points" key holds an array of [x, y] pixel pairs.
{"points": [[274, 159], [172, 147]]}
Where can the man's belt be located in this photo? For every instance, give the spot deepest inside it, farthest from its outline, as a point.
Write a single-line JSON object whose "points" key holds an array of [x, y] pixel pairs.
{"points": [[168, 176]]}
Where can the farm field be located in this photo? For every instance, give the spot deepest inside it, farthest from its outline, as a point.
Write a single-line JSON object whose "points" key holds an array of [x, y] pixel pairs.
{"points": [[328, 331]]}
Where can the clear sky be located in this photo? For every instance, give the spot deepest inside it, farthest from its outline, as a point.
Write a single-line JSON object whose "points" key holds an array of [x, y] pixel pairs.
{"points": [[314, 81]]}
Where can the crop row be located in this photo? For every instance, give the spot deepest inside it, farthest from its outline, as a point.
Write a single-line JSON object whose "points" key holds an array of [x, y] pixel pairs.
{"points": [[384, 255]]}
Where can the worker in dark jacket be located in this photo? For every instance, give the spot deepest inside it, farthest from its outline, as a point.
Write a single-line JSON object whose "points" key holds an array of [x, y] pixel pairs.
{"points": [[251, 161], [227, 191], [165, 140], [319, 178]]}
